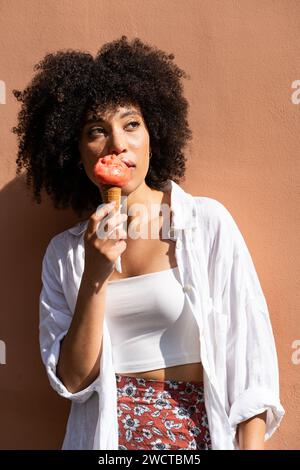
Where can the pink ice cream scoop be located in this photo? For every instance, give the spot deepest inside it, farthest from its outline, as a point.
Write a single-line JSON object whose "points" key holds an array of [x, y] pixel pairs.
{"points": [[110, 170]]}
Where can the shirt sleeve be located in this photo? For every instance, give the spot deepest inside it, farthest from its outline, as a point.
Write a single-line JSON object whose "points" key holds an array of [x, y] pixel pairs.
{"points": [[251, 358], [55, 320]]}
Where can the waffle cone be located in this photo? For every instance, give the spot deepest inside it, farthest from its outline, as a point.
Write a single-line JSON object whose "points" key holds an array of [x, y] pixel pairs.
{"points": [[112, 193]]}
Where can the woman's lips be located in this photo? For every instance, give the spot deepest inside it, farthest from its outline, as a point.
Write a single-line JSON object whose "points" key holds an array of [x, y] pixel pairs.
{"points": [[128, 163], [111, 170]]}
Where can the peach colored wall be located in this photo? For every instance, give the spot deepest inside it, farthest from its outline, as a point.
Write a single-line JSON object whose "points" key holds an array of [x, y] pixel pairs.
{"points": [[243, 57]]}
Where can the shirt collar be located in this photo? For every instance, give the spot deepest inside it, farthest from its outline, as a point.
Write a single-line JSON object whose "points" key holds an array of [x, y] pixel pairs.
{"points": [[182, 205]]}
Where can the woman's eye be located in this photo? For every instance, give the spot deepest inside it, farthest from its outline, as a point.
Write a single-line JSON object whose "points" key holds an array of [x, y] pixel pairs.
{"points": [[98, 129], [135, 124]]}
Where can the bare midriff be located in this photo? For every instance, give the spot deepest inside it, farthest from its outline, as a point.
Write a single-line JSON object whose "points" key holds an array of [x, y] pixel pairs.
{"points": [[184, 372]]}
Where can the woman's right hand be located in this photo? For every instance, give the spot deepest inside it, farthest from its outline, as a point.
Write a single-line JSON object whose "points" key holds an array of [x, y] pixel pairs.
{"points": [[101, 253]]}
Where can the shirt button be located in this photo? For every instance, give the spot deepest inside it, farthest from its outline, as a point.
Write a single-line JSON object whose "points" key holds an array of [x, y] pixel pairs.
{"points": [[178, 243], [171, 233], [187, 288]]}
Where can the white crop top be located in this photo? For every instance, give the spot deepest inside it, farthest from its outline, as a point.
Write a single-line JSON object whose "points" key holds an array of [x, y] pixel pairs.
{"points": [[149, 324]]}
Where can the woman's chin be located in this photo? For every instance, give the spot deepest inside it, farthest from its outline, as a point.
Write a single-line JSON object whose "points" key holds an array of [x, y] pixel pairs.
{"points": [[127, 189], [130, 187]]}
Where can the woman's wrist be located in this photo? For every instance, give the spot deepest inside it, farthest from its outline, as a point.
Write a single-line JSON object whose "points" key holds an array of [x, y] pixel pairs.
{"points": [[92, 284], [251, 433]]}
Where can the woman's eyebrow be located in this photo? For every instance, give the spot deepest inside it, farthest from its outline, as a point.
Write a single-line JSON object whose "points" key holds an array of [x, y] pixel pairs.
{"points": [[100, 119], [130, 113]]}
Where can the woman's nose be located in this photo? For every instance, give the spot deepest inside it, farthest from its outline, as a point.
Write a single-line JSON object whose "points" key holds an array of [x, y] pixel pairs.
{"points": [[116, 143]]}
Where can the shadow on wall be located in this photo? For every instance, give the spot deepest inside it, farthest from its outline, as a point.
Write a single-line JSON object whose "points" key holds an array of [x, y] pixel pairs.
{"points": [[33, 416]]}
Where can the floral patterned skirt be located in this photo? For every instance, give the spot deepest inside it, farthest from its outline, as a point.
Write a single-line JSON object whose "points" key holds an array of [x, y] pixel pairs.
{"points": [[161, 415]]}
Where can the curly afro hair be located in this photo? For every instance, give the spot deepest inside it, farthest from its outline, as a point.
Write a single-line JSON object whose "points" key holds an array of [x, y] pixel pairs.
{"points": [[70, 83]]}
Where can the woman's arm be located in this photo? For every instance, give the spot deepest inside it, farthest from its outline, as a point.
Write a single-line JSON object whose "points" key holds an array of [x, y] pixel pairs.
{"points": [[251, 432], [81, 348]]}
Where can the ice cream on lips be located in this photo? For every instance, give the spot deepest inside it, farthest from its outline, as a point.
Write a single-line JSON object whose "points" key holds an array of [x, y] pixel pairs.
{"points": [[112, 174], [110, 170]]}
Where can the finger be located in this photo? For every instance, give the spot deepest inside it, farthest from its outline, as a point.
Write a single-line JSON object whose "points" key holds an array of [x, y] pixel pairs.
{"points": [[116, 249], [107, 226], [115, 222], [102, 211], [117, 234]]}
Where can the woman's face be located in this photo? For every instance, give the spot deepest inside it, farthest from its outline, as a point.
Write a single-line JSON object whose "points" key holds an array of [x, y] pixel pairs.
{"points": [[121, 132]]}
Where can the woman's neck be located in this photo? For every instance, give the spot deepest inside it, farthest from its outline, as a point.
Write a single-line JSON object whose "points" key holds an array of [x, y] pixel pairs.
{"points": [[147, 202], [144, 195]]}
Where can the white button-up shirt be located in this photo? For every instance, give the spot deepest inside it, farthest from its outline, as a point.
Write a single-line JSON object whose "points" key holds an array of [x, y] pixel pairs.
{"points": [[223, 292]]}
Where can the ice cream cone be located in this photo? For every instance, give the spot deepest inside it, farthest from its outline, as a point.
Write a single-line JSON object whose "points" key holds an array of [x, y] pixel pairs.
{"points": [[112, 193]]}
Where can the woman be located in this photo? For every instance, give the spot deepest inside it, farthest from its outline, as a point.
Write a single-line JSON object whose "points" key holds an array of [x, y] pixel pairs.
{"points": [[177, 350]]}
